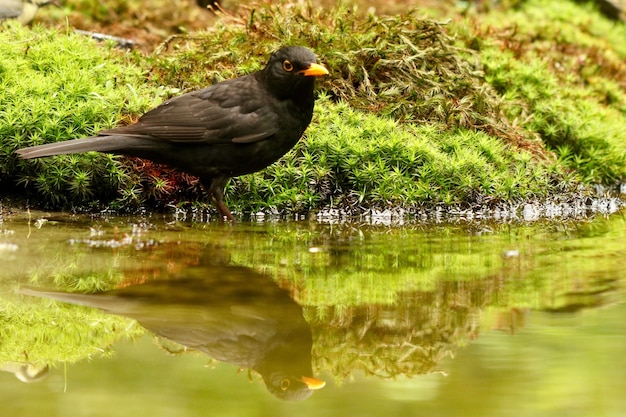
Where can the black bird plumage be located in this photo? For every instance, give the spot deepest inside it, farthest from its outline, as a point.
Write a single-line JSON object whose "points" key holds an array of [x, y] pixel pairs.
{"points": [[232, 128], [233, 314]]}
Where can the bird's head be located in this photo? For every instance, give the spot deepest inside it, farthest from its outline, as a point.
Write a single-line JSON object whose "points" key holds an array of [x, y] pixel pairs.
{"points": [[292, 388], [291, 71]]}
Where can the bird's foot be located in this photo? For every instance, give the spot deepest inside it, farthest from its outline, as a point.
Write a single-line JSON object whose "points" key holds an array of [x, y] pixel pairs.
{"points": [[222, 210]]}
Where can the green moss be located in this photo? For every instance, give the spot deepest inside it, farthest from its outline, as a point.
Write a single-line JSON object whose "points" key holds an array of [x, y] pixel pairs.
{"points": [[560, 68], [415, 112], [353, 160], [51, 334], [58, 86]]}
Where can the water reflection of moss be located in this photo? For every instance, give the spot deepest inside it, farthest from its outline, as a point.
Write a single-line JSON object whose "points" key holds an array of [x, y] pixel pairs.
{"points": [[47, 333], [406, 338], [388, 302]]}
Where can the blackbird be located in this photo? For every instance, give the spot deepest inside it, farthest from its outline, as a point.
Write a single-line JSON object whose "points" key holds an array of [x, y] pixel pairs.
{"points": [[232, 128], [22, 10], [232, 313]]}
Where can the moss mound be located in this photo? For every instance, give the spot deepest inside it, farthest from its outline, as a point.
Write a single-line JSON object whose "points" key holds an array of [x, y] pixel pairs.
{"points": [[416, 113]]}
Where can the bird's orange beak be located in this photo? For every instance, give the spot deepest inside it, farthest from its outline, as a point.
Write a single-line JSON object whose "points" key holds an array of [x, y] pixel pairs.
{"points": [[314, 70], [310, 382]]}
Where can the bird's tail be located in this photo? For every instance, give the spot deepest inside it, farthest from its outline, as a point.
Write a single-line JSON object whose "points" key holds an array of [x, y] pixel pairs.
{"points": [[94, 143], [104, 302]]}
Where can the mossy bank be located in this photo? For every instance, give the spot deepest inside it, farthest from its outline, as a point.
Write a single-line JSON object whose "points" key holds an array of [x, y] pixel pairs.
{"points": [[513, 105]]}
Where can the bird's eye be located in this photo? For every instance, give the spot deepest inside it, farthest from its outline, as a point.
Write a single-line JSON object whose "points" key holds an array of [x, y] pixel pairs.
{"points": [[284, 384], [287, 65]]}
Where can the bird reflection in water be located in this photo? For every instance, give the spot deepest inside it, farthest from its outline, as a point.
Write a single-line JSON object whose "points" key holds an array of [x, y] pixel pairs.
{"points": [[233, 314]]}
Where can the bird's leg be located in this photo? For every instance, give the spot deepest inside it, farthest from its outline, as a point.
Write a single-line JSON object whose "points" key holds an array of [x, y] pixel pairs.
{"points": [[215, 188], [222, 209]]}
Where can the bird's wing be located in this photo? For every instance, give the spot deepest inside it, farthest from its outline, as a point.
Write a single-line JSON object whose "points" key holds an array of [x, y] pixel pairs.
{"points": [[232, 111]]}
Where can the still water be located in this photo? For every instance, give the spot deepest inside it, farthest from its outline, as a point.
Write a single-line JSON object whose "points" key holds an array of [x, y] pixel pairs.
{"points": [[310, 318]]}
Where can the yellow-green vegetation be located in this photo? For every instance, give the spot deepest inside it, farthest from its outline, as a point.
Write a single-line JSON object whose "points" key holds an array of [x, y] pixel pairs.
{"points": [[57, 86], [344, 163], [388, 310], [398, 311], [42, 332], [48, 333], [561, 67], [507, 106]]}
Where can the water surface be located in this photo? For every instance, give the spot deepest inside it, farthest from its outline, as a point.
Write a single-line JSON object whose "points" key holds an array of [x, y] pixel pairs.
{"points": [[465, 319]]}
